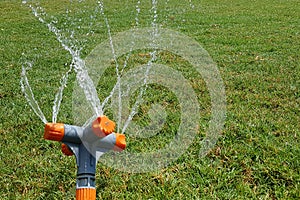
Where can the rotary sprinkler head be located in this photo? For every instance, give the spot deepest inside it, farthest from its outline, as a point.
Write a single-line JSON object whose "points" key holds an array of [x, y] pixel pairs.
{"points": [[87, 144]]}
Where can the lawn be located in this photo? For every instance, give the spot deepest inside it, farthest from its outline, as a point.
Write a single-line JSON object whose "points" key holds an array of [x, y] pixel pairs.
{"points": [[256, 46]]}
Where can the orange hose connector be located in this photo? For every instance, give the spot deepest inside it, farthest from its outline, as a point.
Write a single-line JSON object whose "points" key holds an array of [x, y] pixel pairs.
{"points": [[86, 194]]}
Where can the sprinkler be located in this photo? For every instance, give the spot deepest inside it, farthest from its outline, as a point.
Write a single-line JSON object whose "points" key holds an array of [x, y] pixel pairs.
{"points": [[87, 144]]}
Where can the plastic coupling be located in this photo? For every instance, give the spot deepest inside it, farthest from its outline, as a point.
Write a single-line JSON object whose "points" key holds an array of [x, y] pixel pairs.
{"points": [[86, 194]]}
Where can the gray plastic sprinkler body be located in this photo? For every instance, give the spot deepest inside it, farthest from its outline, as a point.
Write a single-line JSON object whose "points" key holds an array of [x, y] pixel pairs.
{"points": [[87, 144]]}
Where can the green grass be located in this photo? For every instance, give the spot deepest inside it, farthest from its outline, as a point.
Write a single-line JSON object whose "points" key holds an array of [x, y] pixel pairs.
{"points": [[256, 47]]}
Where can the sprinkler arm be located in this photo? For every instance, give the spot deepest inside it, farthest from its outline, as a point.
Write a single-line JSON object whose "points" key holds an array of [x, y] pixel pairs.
{"points": [[87, 144]]}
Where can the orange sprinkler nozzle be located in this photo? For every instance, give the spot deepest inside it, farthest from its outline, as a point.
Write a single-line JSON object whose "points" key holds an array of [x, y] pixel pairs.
{"points": [[103, 126], [66, 150], [120, 142], [54, 131]]}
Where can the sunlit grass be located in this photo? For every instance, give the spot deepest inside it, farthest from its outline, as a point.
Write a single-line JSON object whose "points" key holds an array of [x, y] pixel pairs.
{"points": [[256, 47]]}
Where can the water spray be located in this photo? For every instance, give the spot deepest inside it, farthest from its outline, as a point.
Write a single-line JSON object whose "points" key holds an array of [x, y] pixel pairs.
{"points": [[87, 144]]}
